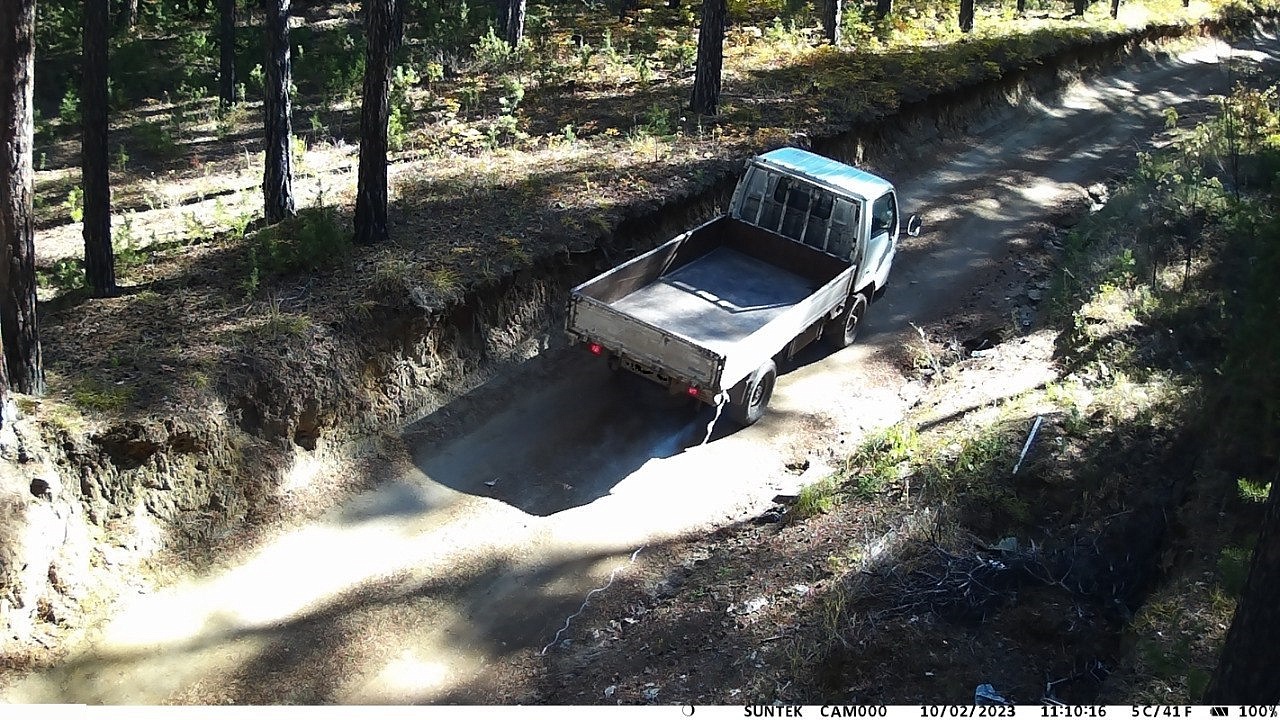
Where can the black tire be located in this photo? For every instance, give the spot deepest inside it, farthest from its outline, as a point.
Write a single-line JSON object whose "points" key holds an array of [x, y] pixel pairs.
{"points": [[841, 332], [750, 406]]}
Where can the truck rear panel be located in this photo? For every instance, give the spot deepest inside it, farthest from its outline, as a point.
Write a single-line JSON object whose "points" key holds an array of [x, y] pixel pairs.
{"points": [[667, 355]]}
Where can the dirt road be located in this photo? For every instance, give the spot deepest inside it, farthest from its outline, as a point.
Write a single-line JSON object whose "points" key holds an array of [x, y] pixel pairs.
{"points": [[478, 547]]}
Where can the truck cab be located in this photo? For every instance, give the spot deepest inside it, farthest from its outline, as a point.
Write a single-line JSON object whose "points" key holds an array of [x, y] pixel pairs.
{"points": [[825, 204]]}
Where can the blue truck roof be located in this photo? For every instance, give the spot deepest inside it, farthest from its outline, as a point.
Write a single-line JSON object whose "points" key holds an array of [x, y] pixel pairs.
{"points": [[827, 171]]}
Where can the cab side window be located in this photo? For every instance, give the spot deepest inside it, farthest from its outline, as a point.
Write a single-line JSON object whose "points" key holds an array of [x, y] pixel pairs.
{"points": [[884, 215], [753, 194], [844, 225]]}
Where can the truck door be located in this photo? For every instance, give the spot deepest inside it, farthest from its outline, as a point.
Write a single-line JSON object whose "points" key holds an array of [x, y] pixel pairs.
{"points": [[883, 237]]}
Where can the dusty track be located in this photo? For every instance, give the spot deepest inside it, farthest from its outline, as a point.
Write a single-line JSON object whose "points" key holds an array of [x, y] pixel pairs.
{"points": [[474, 549]]}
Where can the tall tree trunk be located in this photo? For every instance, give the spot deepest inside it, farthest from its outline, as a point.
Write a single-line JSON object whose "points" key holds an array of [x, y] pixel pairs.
{"points": [[18, 321], [514, 28], [383, 27], [625, 8], [1115, 9], [129, 15], [1246, 672], [706, 81], [277, 175], [832, 19], [99, 259], [227, 53], [673, 4], [966, 15], [4, 387], [885, 7], [1079, 6], [1022, 7], [502, 10]]}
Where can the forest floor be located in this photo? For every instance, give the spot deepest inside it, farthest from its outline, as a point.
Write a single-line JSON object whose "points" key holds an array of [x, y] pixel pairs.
{"points": [[450, 575]]}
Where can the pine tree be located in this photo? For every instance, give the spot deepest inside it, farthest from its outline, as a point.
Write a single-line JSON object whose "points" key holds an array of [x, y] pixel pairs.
{"points": [[383, 28], [99, 258], [277, 180], [706, 80], [18, 320]]}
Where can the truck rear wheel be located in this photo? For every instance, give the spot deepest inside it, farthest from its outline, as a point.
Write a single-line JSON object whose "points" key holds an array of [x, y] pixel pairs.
{"points": [[749, 407], [841, 332]]}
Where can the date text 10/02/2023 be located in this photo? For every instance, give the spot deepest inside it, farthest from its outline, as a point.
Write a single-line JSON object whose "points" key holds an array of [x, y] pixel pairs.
{"points": [[982, 711], [1128, 712]]}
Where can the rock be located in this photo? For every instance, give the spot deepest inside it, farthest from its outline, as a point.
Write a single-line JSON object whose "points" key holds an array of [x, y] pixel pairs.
{"points": [[774, 515], [44, 488], [650, 694], [609, 691]]}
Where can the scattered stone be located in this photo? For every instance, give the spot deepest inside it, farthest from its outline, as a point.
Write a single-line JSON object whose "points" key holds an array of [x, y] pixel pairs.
{"points": [[773, 515], [1009, 544], [753, 605], [650, 694], [798, 466], [609, 691], [800, 589], [42, 488]]}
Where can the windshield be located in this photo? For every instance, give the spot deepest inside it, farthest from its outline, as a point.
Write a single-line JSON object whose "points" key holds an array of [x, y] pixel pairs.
{"points": [[797, 209]]}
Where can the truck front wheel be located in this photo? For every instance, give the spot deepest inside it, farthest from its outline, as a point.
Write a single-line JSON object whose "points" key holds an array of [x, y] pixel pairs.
{"points": [[749, 407], [841, 332]]}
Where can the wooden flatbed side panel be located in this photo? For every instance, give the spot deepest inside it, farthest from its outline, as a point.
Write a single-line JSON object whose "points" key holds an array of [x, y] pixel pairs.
{"points": [[782, 252], [668, 257], [752, 351]]}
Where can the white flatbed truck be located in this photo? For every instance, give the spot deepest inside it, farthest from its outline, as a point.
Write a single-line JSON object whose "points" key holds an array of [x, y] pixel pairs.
{"points": [[804, 249]]}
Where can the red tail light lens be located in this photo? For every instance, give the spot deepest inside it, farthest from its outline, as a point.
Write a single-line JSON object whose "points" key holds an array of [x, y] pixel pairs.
{"points": [[595, 348], [693, 391]]}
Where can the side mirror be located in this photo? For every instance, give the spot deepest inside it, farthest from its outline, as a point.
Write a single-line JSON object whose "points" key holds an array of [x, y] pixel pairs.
{"points": [[913, 225]]}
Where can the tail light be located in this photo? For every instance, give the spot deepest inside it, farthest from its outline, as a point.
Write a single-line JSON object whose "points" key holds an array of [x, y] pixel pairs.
{"points": [[692, 391], [595, 348]]}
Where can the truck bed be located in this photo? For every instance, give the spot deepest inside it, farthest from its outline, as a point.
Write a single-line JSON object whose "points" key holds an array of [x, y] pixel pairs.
{"points": [[718, 299], [709, 306]]}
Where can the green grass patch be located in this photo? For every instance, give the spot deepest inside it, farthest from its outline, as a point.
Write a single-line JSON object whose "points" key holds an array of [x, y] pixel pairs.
{"points": [[64, 275], [1233, 568], [316, 238], [818, 498], [1252, 491], [91, 394]]}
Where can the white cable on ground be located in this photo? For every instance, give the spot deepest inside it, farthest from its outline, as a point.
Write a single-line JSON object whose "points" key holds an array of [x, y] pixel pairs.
{"points": [[1030, 439], [721, 398], [586, 600]]}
